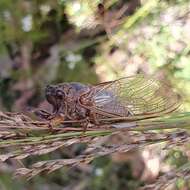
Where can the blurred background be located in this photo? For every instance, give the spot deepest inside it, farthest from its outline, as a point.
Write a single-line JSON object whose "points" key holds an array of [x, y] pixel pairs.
{"points": [[91, 41]]}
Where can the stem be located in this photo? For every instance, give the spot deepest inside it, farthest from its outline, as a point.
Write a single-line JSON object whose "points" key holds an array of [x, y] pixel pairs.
{"points": [[50, 138]]}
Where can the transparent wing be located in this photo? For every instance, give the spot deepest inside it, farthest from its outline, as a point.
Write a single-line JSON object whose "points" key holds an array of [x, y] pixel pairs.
{"points": [[134, 96]]}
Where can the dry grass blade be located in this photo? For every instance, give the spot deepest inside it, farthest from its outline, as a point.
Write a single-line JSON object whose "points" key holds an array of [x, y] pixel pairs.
{"points": [[100, 147], [49, 166], [25, 137], [38, 149]]}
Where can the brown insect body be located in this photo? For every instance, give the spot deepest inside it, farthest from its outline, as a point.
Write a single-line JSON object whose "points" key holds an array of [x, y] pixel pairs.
{"points": [[65, 99], [125, 99]]}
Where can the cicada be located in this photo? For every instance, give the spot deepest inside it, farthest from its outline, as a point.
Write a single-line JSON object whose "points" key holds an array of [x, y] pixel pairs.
{"points": [[124, 100]]}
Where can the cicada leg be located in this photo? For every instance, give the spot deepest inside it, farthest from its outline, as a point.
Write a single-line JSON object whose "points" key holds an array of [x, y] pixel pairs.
{"points": [[42, 114], [57, 118], [84, 124], [54, 119], [94, 118]]}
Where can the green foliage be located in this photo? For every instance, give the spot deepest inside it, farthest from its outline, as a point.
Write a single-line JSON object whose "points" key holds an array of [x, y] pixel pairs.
{"points": [[108, 175], [6, 97], [176, 158], [74, 68]]}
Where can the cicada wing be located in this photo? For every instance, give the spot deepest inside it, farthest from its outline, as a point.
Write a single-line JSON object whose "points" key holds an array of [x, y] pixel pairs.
{"points": [[134, 96]]}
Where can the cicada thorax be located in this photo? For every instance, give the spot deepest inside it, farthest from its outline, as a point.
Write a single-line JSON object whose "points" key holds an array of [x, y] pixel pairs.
{"points": [[70, 104]]}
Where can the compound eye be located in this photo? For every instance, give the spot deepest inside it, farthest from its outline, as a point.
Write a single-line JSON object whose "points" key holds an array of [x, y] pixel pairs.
{"points": [[59, 94], [50, 90]]}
